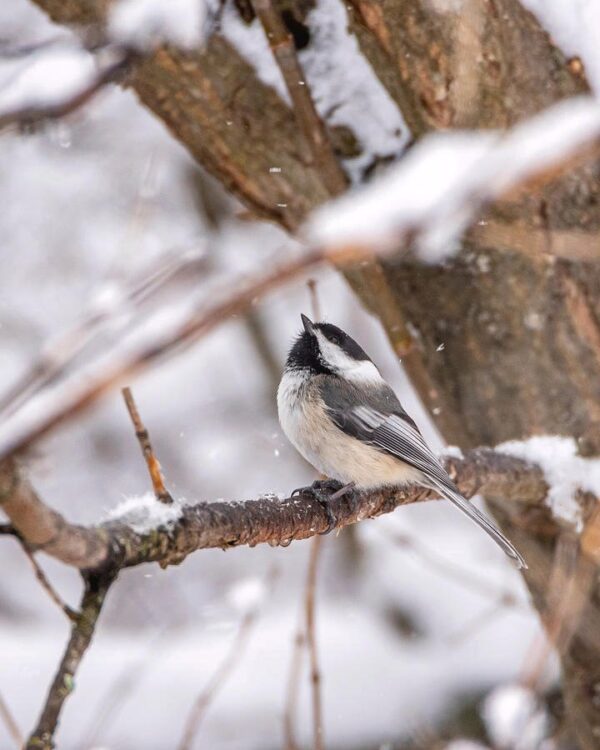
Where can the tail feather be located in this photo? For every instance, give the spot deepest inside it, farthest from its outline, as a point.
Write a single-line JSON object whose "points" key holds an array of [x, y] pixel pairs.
{"points": [[452, 494]]}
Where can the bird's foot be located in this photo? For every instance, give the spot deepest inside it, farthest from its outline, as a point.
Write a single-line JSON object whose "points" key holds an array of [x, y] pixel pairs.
{"points": [[325, 491]]}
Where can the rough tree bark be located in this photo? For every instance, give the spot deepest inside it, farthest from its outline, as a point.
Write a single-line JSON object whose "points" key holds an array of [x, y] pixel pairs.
{"points": [[518, 309]]}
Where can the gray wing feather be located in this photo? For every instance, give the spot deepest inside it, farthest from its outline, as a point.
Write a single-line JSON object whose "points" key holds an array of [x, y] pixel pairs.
{"points": [[376, 417]]}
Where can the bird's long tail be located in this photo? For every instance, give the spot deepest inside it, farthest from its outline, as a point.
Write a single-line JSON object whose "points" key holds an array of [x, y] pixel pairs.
{"points": [[449, 491]]}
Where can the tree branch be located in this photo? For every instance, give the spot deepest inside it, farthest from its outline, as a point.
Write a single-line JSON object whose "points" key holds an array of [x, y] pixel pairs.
{"points": [[96, 587], [505, 480], [143, 436], [47, 586]]}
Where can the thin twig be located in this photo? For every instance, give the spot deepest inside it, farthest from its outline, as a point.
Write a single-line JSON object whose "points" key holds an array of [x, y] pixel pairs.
{"points": [[70, 613], [11, 725], [96, 588], [143, 437], [31, 114], [314, 299], [311, 125], [311, 641], [293, 688], [232, 658]]}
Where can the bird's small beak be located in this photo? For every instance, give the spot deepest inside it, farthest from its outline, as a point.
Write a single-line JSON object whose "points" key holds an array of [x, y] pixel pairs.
{"points": [[308, 325]]}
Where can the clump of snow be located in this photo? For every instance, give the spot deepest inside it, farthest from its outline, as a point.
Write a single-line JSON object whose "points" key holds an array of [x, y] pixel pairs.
{"points": [[564, 470], [408, 195], [438, 188], [250, 41], [345, 89], [45, 78], [247, 594], [143, 513], [465, 745], [514, 719], [452, 450], [147, 23]]}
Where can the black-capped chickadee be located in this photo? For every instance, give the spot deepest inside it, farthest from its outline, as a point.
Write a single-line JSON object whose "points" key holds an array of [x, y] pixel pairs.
{"points": [[342, 416]]}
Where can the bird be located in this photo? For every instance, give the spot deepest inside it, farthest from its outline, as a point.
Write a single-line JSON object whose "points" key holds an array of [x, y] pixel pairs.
{"points": [[344, 419]]}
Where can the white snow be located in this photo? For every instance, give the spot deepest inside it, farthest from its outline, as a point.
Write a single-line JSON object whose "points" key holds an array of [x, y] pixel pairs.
{"points": [[45, 78], [564, 470], [342, 83], [251, 43], [438, 188], [144, 512], [146, 24], [514, 719], [452, 450], [345, 89], [465, 745]]}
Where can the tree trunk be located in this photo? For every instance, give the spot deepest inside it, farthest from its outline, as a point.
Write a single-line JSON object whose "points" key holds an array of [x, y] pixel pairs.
{"points": [[518, 310]]}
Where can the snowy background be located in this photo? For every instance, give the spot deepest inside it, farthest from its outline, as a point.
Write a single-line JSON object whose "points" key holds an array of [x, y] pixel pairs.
{"points": [[406, 637]]}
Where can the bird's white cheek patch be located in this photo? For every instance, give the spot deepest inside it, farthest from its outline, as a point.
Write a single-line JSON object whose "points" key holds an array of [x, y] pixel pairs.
{"points": [[352, 369]]}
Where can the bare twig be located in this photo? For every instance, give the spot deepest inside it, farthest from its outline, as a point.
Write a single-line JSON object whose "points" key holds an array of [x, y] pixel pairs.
{"points": [[29, 115], [293, 685], [96, 588], [11, 725], [311, 642], [47, 586], [314, 299], [143, 437], [233, 656]]}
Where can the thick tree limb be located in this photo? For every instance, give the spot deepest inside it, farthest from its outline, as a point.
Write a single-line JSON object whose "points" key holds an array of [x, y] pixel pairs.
{"points": [[508, 481]]}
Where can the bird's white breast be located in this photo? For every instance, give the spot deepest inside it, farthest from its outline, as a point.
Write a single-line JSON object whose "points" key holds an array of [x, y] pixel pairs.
{"points": [[309, 428]]}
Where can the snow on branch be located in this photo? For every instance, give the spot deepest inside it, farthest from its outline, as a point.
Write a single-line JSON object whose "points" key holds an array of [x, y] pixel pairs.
{"points": [[146, 24], [439, 187], [145, 530], [565, 472], [54, 81]]}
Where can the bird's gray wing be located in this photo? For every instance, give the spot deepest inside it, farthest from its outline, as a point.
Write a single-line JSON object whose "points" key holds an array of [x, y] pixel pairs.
{"points": [[376, 417]]}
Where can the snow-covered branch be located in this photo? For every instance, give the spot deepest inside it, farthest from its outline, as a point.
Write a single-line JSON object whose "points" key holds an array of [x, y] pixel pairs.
{"points": [[55, 81]]}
